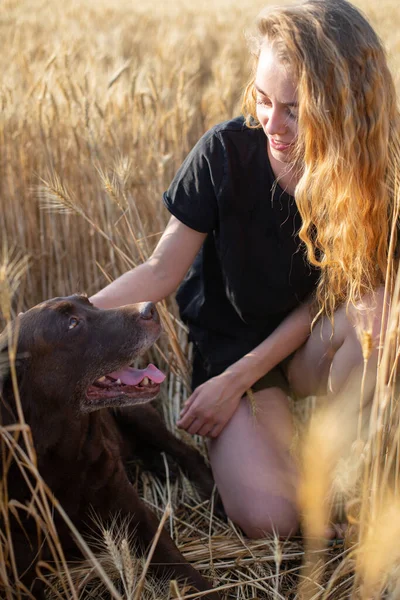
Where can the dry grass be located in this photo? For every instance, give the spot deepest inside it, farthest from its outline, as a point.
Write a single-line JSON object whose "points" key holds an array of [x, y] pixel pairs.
{"points": [[100, 103]]}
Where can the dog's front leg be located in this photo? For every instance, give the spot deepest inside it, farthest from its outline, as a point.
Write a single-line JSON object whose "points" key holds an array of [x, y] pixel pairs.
{"points": [[142, 425]]}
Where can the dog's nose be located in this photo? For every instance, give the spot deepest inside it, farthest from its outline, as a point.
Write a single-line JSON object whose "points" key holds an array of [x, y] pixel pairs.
{"points": [[148, 312]]}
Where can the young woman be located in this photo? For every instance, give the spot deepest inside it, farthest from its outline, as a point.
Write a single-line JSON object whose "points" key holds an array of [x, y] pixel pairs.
{"points": [[281, 217]]}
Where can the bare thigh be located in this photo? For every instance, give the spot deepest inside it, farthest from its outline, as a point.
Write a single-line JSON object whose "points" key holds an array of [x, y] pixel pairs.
{"points": [[324, 364], [253, 467]]}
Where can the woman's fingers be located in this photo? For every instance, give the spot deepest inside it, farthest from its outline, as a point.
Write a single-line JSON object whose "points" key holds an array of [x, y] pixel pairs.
{"points": [[191, 417], [195, 418], [206, 429], [187, 405], [216, 430], [198, 427], [208, 409], [195, 426], [183, 411], [186, 420]]}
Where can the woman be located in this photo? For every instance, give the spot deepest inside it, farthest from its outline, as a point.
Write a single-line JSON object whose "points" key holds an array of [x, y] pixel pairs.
{"points": [[281, 216]]}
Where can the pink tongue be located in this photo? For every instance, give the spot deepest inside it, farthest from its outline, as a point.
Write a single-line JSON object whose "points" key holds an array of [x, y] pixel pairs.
{"points": [[131, 376]]}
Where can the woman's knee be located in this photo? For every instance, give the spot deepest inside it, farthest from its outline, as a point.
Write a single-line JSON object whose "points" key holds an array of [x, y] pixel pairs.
{"points": [[331, 354], [266, 515], [367, 319], [362, 326]]}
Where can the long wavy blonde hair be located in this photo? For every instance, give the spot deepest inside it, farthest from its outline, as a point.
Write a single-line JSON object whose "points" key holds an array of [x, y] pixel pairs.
{"points": [[348, 122]]}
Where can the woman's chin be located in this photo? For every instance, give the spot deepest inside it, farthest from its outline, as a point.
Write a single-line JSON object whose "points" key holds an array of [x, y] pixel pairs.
{"points": [[284, 156]]}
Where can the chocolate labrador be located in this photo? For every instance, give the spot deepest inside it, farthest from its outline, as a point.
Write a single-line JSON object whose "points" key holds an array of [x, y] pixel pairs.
{"points": [[88, 413]]}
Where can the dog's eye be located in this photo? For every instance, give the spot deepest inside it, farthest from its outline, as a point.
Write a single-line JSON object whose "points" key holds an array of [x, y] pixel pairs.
{"points": [[73, 322]]}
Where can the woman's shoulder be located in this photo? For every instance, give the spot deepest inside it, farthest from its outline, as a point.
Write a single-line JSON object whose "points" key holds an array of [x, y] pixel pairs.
{"points": [[220, 140], [232, 138], [236, 125]]}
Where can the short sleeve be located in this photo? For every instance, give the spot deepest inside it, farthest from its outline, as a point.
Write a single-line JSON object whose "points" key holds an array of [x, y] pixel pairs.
{"points": [[193, 194]]}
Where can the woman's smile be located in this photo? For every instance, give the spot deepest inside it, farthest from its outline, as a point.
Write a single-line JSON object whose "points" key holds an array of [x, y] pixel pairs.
{"points": [[278, 145]]}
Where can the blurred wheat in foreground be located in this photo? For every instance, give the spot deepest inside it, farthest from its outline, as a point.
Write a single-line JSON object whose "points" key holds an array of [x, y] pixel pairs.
{"points": [[100, 102]]}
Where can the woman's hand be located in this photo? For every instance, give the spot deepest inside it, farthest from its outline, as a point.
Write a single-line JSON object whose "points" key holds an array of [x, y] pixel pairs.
{"points": [[211, 406]]}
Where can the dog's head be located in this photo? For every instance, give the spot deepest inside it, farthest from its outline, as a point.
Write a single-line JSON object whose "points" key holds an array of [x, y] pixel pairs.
{"points": [[68, 351]]}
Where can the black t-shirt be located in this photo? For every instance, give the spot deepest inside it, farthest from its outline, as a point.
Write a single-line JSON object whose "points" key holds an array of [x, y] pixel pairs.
{"points": [[251, 271]]}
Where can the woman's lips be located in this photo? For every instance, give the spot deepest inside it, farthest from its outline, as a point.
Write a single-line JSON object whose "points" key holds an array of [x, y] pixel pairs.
{"points": [[282, 146]]}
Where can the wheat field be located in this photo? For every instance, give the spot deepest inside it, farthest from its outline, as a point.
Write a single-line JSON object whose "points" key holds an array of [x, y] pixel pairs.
{"points": [[100, 103]]}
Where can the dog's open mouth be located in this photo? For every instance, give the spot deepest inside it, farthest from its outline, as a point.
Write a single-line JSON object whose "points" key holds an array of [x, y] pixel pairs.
{"points": [[129, 382]]}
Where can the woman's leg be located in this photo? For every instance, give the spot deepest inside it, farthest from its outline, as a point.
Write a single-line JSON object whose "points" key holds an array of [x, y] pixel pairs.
{"points": [[330, 359], [331, 363], [251, 461], [253, 468]]}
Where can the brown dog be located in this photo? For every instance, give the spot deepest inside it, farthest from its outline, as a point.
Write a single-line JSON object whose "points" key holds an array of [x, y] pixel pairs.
{"points": [[73, 366]]}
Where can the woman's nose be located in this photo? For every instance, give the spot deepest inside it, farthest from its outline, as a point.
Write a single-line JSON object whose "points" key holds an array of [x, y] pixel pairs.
{"points": [[276, 124]]}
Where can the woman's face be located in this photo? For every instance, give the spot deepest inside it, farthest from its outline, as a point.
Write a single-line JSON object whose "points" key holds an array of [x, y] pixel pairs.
{"points": [[276, 97]]}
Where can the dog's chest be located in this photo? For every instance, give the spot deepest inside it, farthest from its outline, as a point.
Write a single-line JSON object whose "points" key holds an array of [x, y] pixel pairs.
{"points": [[77, 466]]}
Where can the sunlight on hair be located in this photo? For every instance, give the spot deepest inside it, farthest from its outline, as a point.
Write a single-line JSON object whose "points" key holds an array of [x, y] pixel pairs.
{"points": [[348, 141]]}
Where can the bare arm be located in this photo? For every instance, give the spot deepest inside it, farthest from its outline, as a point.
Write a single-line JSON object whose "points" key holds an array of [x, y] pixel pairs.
{"points": [[213, 403], [285, 339], [162, 272]]}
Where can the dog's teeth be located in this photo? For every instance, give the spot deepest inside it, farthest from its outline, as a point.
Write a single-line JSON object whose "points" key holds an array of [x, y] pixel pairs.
{"points": [[145, 381], [118, 382], [102, 379]]}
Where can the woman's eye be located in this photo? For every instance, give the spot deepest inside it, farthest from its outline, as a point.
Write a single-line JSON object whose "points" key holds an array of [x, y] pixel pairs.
{"points": [[263, 102], [73, 322]]}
